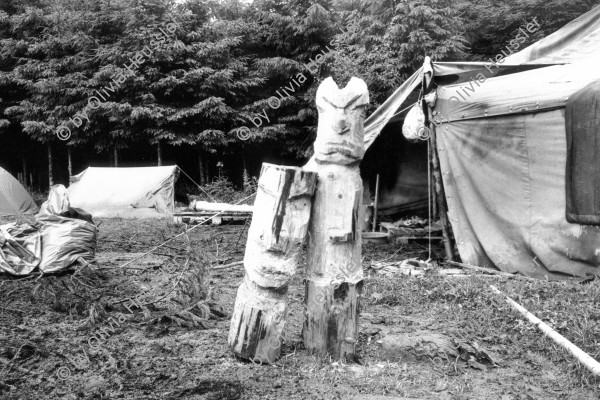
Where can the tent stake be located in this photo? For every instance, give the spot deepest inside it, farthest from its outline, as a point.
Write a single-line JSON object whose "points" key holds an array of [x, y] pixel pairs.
{"points": [[592, 365]]}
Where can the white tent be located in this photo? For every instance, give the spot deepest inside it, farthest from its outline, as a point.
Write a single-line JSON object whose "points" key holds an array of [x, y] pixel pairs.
{"points": [[140, 192], [14, 199]]}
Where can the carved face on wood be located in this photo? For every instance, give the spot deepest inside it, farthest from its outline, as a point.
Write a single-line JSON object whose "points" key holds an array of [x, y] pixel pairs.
{"points": [[340, 136]]}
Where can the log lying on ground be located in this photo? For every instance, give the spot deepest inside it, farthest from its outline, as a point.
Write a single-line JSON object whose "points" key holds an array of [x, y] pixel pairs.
{"points": [[278, 229], [334, 275]]}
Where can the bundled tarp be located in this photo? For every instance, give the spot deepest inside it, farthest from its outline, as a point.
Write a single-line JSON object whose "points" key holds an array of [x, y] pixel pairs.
{"points": [[60, 237], [502, 142], [137, 192], [14, 199]]}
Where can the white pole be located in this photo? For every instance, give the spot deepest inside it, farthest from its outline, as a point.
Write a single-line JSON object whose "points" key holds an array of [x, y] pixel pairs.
{"points": [[580, 355]]}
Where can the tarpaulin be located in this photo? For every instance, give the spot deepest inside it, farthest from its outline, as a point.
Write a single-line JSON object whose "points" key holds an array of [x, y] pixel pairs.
{"points": [[54, 242], [576, 41], [379, 119], [582, 118], [504, 179], [20, 248], [65, 241], [68, 234]]}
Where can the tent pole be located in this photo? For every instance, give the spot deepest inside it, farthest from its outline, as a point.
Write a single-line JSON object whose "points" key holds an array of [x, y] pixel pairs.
{"points": [[375, 203], [440, 195]]}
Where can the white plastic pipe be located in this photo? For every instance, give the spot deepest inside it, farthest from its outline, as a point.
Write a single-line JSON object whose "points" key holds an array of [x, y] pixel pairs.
{"points": [[592, 365]]}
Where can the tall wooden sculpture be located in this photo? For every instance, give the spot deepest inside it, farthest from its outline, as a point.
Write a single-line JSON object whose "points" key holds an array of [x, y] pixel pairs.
{"points": [[334, 275], [277, 232], [280, 222]]}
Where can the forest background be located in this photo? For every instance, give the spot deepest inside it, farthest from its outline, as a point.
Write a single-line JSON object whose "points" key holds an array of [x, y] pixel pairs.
{"points": [[215, 73]]}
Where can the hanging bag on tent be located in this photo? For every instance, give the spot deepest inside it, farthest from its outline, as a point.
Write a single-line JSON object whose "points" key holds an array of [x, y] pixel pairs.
{"points": [[414, 127]]}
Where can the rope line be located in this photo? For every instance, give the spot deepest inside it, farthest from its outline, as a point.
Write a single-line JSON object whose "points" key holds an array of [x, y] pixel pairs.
{"points": [[181, 234], [200, 187], [429, 202]]}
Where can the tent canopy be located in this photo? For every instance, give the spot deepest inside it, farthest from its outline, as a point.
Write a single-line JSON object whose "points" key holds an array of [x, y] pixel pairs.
{"points": [[125, 192], [502, 143], [14, 199], [576, 43]]}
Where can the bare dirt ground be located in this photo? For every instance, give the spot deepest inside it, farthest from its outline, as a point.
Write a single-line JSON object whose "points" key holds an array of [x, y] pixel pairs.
{"points": [[79, 334]]}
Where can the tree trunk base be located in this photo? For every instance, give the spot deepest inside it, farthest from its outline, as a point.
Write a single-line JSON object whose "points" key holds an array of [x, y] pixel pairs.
{"points": [[331, 324], [257, 322]]}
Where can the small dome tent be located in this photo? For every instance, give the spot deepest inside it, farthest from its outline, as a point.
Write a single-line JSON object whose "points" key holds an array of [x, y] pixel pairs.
{"points": [[14, 199]]}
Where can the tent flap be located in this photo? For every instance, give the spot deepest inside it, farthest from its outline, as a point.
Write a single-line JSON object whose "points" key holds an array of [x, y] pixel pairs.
{"points": [[379, 119], [582, 118]]}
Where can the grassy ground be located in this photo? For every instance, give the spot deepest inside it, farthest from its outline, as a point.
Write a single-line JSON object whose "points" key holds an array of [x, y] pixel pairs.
{"points": [[157, 352]]}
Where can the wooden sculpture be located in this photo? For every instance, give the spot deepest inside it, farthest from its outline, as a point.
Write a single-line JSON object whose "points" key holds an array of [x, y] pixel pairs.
{"points": [[277, 232], [334, 273], [281, 219]]}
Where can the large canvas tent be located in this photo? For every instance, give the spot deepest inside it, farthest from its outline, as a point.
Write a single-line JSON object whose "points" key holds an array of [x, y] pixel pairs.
{"points": [[137, 192], [14, 199], [518, 151]]}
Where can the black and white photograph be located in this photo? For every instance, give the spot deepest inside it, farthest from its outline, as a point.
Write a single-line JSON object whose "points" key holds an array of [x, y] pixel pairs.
{"points": [[300, 199]]}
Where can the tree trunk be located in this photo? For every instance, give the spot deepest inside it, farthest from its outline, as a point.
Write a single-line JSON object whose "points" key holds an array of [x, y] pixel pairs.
{"points": [[159, 153], [206, 170], [201, 170], [50, 175], [245, 175], [69, 163], [273, 250], [334, 276], [25, 176], [115, 157]]}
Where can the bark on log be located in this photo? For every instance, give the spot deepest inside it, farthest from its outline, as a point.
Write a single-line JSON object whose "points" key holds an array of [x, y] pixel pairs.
{"points": [[277, 232], [334, 275]]}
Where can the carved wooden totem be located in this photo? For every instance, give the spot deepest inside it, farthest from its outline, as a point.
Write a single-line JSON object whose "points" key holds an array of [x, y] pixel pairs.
{"points": [[278, 229], [334, 275]]}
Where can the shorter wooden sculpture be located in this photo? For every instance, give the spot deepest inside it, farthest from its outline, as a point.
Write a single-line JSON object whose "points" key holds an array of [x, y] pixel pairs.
{"points": [[278, 229]]}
